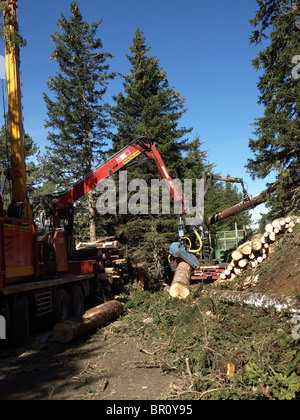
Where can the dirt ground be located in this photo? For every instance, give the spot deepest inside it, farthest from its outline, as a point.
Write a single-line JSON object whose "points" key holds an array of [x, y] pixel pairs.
{"points": [[101, 366]]}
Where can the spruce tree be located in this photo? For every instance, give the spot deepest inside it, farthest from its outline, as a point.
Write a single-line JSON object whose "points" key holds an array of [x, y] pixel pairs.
{"points": [[77, 115], [148, 106], [276, 146]]}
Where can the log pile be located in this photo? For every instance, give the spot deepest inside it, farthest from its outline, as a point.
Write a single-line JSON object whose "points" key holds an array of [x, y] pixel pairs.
{"points": [[140, 276], [112, 266], [254, 252]]}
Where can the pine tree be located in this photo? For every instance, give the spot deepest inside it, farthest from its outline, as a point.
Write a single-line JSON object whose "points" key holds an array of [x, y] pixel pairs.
{"points": [[76, 110], [148, 106], [276, 147]]}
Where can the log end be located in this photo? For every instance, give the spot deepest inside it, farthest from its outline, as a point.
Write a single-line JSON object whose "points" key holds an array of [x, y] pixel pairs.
{"points": [[63, 332], [180, 284], [179, 290]]}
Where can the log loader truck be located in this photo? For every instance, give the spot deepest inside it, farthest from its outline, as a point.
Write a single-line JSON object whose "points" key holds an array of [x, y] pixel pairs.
{"points": [[41, 275], [38, 276]]}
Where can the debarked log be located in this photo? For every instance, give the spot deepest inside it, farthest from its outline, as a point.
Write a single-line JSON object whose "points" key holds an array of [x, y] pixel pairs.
{"points": [[68, 330], [259, 300], [180, 284]]}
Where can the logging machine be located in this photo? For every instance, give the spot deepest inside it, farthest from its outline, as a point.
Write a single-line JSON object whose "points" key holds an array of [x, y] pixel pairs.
{"points": [[203, 260], [39, 272]]}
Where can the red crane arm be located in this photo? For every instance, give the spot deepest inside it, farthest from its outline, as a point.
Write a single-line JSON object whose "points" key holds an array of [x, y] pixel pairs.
{"points": [[115, 164]]}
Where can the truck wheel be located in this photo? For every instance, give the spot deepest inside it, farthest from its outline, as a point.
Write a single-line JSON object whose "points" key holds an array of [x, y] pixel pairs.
{"points": [[19, 325], [76, 301], [61, 308]]}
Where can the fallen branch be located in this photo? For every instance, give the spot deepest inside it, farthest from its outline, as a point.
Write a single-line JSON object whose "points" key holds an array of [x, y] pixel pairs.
{"points": [[152, 353]]}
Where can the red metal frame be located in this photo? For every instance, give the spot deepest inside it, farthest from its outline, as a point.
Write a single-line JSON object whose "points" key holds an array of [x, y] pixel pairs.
{"points": [[20, 247], [114, 165], [209, 273]]}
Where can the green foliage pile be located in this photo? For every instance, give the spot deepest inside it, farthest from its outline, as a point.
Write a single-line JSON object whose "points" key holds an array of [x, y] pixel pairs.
{"points": [[195, 339]]}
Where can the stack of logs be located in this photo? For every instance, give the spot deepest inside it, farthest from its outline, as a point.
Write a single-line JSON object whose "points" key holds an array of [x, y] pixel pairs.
{"points": [[112, 266], [254, 252]]}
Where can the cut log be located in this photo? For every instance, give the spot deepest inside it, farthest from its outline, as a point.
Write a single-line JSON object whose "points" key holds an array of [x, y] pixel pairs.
{"points": [[253, 264], [265, 238], [66, 331], [238, 208], [243, 263], [282, 223], [269, 228], [256, 243], [272, 236], [246, 248], [276, 223], [180, 284], [237, 255], [265, 300]]}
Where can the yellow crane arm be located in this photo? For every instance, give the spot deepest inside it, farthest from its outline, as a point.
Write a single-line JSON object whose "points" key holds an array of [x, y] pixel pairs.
{"points": [[16, 131]]}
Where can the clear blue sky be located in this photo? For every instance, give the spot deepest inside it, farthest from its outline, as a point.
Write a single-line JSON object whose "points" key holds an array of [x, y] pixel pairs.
{"points": [[202, 45]]}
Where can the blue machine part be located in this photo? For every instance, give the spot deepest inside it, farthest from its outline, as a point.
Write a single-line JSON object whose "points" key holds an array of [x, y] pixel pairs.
{"points": [[177, 250]]}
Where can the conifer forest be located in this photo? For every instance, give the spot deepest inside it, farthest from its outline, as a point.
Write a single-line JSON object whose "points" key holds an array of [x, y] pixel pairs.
{"points": [[217, 314]]}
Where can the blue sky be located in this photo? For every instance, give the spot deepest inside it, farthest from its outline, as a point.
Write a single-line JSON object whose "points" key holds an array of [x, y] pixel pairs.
{"points": [[202, 45]]}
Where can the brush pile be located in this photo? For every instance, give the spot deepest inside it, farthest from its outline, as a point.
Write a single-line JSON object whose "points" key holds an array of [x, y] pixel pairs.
{"points": [[254, 252]]}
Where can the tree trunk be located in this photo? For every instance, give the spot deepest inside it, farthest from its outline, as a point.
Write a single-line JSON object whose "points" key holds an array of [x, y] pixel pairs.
{"points": [[66, 331], [180, 284], [238, 208], [92, 216], [263, 300]]}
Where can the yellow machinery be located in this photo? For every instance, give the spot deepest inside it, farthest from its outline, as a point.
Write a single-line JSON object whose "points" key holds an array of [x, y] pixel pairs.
{"points": [[20, 207]]}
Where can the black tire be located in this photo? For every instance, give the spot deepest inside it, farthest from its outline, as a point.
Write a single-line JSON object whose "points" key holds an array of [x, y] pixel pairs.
{"points": [[76, 301], [61, 307], [19, 331]]}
